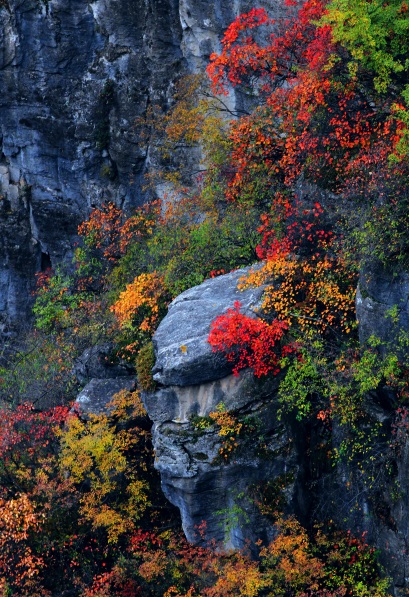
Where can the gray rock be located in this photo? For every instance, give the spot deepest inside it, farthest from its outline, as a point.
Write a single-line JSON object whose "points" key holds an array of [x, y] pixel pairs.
{"points": [[204, 485], [183, 355], [93, 399], [74, 77], [180, 403], [382, 307], [95, 362], [196, 382]]}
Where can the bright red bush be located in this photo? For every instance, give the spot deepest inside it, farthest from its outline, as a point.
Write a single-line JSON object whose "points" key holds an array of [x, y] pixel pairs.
{"points": [[248, 342]]}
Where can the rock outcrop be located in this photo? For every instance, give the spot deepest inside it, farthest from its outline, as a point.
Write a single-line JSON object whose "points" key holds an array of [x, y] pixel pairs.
{"points": [[93, 399], [382, 306], [183, 355], [216, 476], [96, 362], [74, 77], [213, 477]]}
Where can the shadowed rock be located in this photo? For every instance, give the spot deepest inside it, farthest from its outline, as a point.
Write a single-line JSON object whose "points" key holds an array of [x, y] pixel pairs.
{"points": [[93, 399], [382, 308], [96, 362]]}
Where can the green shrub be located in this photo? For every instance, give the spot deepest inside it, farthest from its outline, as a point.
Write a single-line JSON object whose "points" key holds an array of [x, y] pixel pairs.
{"points": [[145, 361]]}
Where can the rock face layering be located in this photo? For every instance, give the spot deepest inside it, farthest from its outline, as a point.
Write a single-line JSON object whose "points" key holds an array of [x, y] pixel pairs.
{"points": [[75, 76], [278, 453], [195, 382]]}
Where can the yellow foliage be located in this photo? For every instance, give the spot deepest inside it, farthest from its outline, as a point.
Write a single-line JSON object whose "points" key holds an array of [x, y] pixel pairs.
{"points": [[229, 429], [227, 422], [126, 405], [96, 453], [290, 557], [237, 578], [314, 294]]}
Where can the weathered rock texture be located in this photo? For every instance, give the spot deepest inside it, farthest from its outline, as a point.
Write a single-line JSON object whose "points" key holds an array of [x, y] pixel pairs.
{"points": [[208, 486], [93, 399], [196, 476], [183, 355], [97, 363], [74, 76], [289, 460], [382, 307]]}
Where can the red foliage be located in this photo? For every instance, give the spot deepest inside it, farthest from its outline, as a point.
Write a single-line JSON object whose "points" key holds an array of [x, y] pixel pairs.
{"points": [[42, 278], [292, 41], [26, 436], [248, 342], [102, 230], [315, 118]]}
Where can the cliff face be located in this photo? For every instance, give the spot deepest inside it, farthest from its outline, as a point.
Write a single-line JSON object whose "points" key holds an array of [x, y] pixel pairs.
{"points": [[74, 77], [215, 475]]}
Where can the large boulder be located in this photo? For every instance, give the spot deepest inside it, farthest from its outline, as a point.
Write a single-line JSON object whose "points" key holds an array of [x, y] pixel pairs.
{"points": [[183, 355], [211, 475]]}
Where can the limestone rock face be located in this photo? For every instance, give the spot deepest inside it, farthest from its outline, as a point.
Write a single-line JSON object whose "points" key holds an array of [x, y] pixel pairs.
{"points": [[183, 355], [75, 75], [211, 477], [202, 478], [382, 306]]}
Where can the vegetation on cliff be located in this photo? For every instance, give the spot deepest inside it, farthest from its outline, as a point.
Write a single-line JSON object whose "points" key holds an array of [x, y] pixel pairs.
{"points": [[311, 181]]}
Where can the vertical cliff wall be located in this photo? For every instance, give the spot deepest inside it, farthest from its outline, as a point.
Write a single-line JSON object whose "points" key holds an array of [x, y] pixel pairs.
{"points": [[74, 76]]}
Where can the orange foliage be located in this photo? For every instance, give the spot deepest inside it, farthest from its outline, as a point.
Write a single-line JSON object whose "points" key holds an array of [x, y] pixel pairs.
{"points": [[290, 556], [102, 230], [107, 236], [308, 282], [141, 302], [308, 288], [238, 576], [18, 564]]}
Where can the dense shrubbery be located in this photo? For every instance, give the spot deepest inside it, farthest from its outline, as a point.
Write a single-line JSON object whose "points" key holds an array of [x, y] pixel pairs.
{"points": [[313, 183]]}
